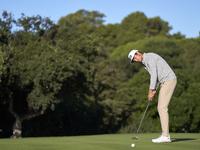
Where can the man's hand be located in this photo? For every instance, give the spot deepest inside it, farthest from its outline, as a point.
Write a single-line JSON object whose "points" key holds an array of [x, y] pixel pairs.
{"points": [[151, 94]]}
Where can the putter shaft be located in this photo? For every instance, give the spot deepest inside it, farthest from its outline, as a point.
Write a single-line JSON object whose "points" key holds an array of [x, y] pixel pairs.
{"points": [[141, 121], [143, 117]]}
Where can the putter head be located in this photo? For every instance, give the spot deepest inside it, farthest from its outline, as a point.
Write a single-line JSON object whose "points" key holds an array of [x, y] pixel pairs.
{"points": [[134, 138]]}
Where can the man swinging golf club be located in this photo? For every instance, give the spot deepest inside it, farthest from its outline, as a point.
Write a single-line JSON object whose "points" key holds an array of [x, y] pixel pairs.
{"points": [[160, 72]]}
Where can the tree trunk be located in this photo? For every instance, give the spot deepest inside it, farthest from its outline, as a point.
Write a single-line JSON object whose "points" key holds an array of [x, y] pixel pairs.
{"points": [[17, 127]]}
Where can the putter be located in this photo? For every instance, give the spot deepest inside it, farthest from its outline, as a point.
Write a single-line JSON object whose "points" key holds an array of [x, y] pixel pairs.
{"points": [[135, 138]]}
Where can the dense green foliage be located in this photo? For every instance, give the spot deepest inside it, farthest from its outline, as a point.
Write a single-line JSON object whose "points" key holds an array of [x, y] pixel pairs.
{"points": [[1, 63], [74, 77]]}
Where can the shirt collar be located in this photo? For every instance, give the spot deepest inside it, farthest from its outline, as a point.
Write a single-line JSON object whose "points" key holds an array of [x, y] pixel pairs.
{"points": [[144, 59]]}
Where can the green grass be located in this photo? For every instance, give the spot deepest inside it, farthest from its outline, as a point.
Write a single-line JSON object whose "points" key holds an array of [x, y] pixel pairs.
{"points": [[181, 141]]}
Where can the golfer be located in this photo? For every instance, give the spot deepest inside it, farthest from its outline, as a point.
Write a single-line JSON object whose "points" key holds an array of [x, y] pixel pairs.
{"points": [[160, 72]]}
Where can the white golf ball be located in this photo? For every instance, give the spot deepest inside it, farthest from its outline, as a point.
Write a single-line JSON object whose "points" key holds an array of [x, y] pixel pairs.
{"points": [[133, 145]]}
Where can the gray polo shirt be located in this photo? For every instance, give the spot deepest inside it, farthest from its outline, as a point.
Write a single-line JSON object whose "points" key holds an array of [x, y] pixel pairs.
{"points": [[158, 68]]}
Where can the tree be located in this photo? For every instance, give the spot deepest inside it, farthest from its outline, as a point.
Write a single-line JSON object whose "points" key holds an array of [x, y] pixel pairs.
{"points": [[108, 77], [137, 26], [1, 63], [132, 28], [37, 68], [5, 36], [108, 34], [86, 21], [190, 53], [178, 35], [156, 26], [185, 101]]}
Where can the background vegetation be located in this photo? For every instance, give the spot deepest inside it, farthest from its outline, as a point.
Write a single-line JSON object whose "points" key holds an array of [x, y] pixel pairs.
{"points": [[74, 77]]}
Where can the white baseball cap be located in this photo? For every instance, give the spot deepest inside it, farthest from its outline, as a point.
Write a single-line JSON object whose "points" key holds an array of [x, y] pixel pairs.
{"points": [[131, 55]]}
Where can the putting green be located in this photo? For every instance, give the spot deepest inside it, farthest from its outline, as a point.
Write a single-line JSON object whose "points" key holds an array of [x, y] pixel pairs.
{"points": [[180, 141]]}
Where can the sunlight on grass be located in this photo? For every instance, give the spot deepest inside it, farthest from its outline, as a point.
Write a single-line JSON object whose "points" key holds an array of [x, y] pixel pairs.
{"points": [[180, 141]]}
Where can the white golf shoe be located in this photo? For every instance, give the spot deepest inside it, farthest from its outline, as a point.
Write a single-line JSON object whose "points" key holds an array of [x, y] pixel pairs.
{"points": [[162, 139]]}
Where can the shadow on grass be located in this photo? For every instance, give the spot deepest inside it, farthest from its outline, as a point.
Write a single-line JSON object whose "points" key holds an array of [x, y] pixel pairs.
{"points": [[181, 139]]}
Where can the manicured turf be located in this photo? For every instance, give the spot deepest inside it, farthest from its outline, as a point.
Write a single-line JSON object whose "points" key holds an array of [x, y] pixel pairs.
{"points": [[181, 141]]}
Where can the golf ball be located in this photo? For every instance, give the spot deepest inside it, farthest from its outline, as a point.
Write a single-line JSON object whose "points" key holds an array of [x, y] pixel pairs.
{"points": [[133, 145]]}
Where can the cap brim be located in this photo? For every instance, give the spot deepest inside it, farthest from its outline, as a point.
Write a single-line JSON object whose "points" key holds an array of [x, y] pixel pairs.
{"points": [[132, 62]]}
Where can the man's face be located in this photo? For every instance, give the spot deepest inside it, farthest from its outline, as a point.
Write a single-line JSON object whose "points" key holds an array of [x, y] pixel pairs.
{"points": [[138, 57]]}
